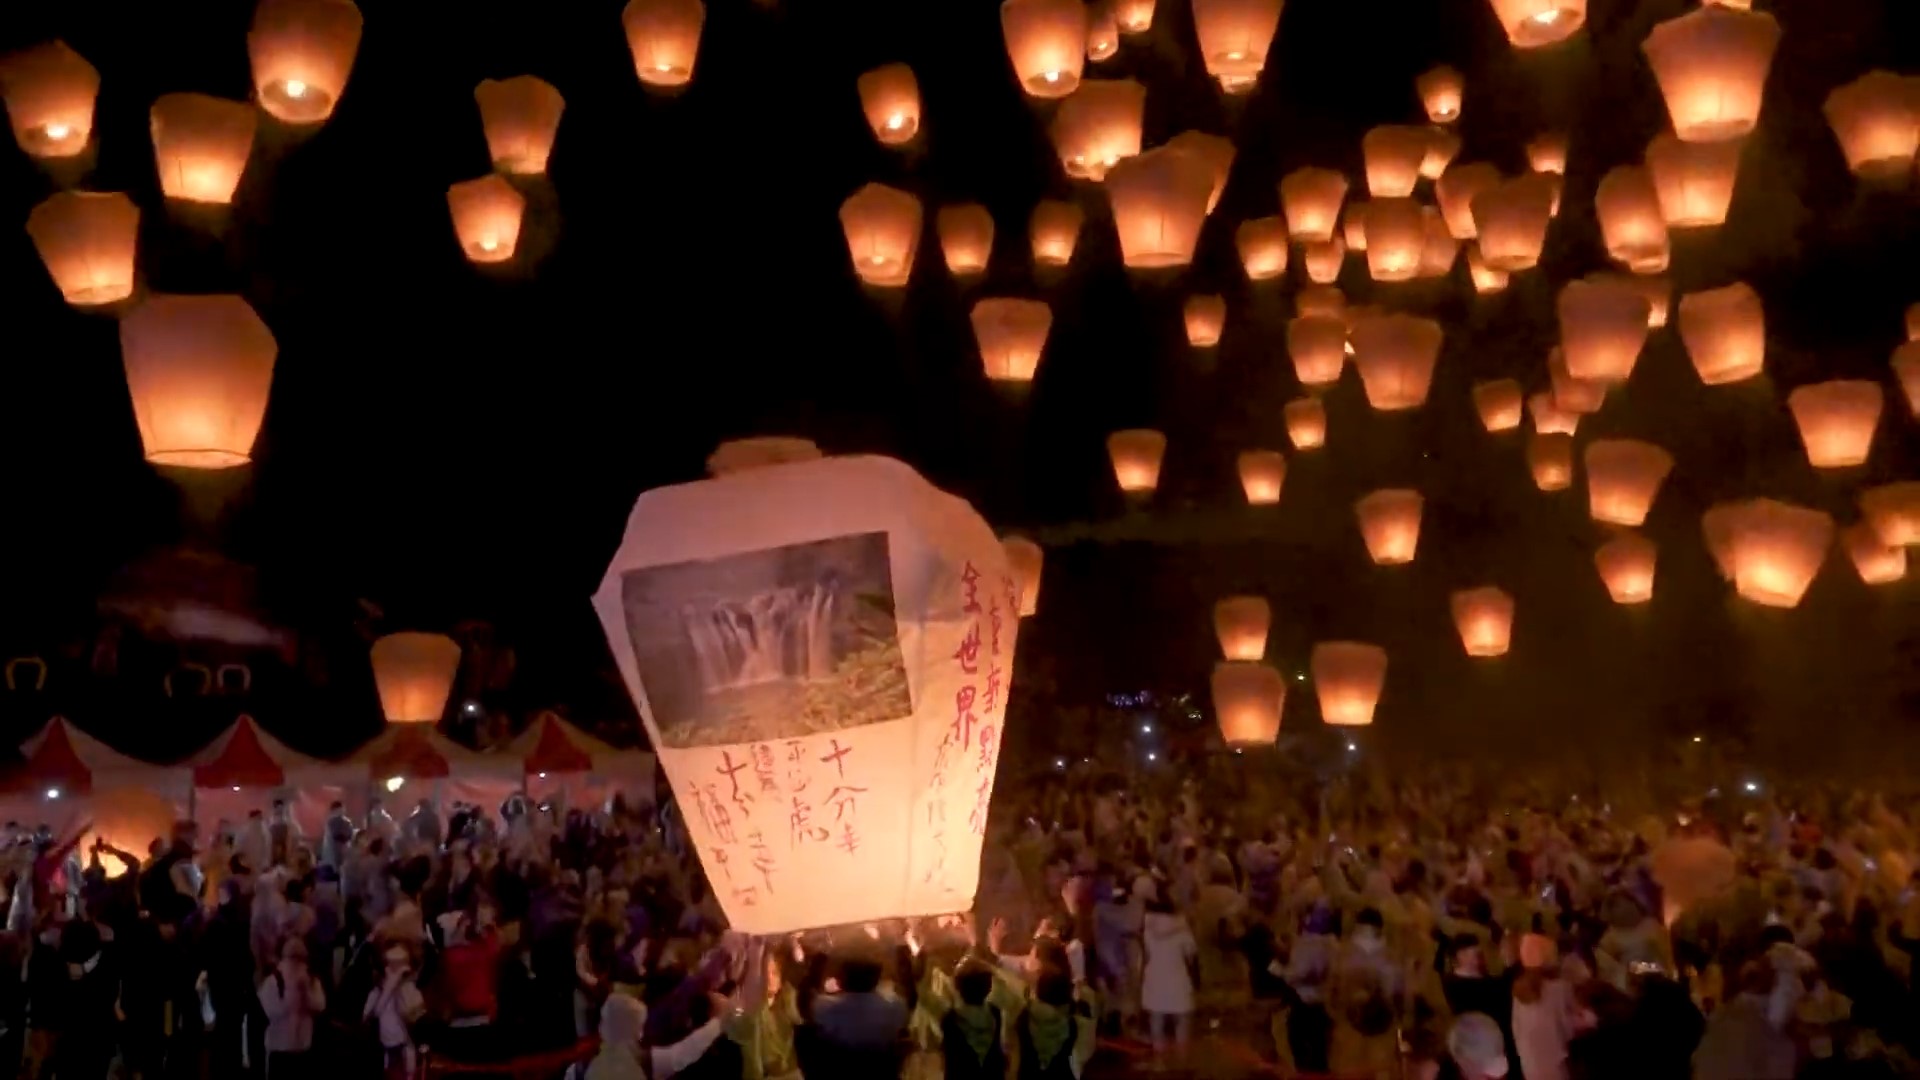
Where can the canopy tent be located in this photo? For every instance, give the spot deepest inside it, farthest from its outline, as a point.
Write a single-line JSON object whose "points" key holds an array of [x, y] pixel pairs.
{"points": [[61, 770], [555, 756], [244, 769], [405, 755]]}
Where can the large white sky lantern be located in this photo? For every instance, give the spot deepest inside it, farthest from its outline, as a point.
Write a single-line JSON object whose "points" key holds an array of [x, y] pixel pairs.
{"points": [[1712, 64], [1234, 36], [821, 652]]}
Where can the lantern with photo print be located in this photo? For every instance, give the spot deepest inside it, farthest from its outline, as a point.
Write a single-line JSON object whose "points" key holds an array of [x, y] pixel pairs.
{"points": [[1550, 460], [1027, 560], [1877, 561], [1484, 618], [198, 369], [1894, 512], [1098, 125], [1046, 42], [664, 37], [86, 240], [1499, 403], [1262, 243], [1836, 420], [1136, 454], [882, 226], [1711, 64], [1241, 623], [1247, 700], [200, 145], [1603, 327], [486, 218], [1390, 524], [1623, 478], [1510, 221], [302, 52], [1205, 316], [1318, 345], [49, 91], [1012, 333], [1349, 676], [1234, 37], [1055, 231], [1770, 550], [521, 117], [890, 97], [1626, 564], [1531, 24], [1725, 331], [1310, 198], [1395, 355], [1160, 201], [1306, 423], [966, 237], [1394, 154], [1262, 474], [1456, 190], [414, 674], [1876, 119], [1440, 91], [1694, 181], [1631, 224]]}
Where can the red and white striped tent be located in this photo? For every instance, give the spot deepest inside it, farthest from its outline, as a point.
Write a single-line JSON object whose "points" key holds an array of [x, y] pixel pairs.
{"points": [[63, 767], [558, 758], [245, 769], [408, 762]]}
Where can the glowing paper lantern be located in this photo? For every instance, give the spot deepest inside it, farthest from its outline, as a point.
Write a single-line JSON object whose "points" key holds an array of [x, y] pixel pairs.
{"points": [[1574, 395], [198, 369], [1626, 564], [1485, 278], [1311, 199], [1455, 191], [1395, 355], [1098, 125], [1769, 550], [1205, 317], [1511, 219], [1906, 368], [1603, 327], [1349, 676], [521, 116], [200, 145], [1323, 261], [1046, 41], [1836, 420], [1440, 250], [1653, 289], [1136, 455], [1484, 618], [1554, 182], [1547, 152], [664, 37], [127, 819], [1026, 560], [1241, 623], [1499, 403], [1876, 119], [1234, 37], [1394, 154], [486, 218], [1262, 474], [1692, 870], [1442, 147], [87, 242], [1550, 459], [1263, 247], [1712, 64], [1440, 90], [1532, 23], [1247, 699], [1894, 512], [1321, 300], [1548, 417], [1396, 236], [1216, 151], [1133, 16], [1913, 322], [882, 225], [1877, 562], [758, 452], [1623, 479], [1318, 345], [1353, 225], [1306, 423], [1631, 223], [49, 90], [414, 673], [1055, 231], [302, 52], [1159, 204], [1103, 37], [862, 620], [1693, 180], [1012, 333], [890, 96], [966, 237], [1725, 332], [1390, 524]]}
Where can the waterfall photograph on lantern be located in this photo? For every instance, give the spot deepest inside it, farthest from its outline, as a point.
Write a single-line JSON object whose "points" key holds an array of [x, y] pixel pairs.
{"points": [[770, 644]]}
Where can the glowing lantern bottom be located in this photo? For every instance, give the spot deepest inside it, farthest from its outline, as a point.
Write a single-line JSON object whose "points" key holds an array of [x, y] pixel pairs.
{"points": [[127, 819], [1350, 676], [1247, 698]]}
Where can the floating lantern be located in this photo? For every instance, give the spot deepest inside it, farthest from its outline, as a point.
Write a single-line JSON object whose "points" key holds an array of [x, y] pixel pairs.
{"points": [[1136, 455], [1484, 617], [1603, 327], [758, 452], [486, 218], [883, 232], [1012, 333], [1321, 300], [1725, 332], [200, 146], [1442, 147], [1876, 119], [1098, 125], [1234, 37], [1263, 247], [1499, 403], [521, 116], [1623, 479], [1241, 623], [1712, 64], [1026, 560], [1247, 699], [1262, 473], [1532, 23], [1511, 219], [1653, 289], [1390, 524], [1396, 237], [1440, 249], [1159, 203], [1306, 423], [1311, 198], [1485, 278], [1906, 368], [1394, 154], [1894, 512], [1055, 231], [1323, 261], [1574, 395], [1913, 322], [1395, 355], [1693, 180], [1456, 190], [1440, 91], [1216, 151], [1547, 153], [1318, 345], [198, 369], [302, 52], [1103, 37], [1353, 226], [1626, 564], [1349, 676], [87, 241], [1877, 562], [414, 674], [1631, 223], [1769, 550], [1046, 41], [890, 96], [1206, 317], [1836, 421], [1548, 417], [125, 819], [664, 36], [49, 90], [966, 237], [1550, 459], [1133, 16]]}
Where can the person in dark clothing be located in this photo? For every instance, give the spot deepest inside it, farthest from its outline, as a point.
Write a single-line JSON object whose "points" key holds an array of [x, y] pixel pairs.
{"points": [[1055, 1032], [857, 1033], [972, 1043], [227, 952]]}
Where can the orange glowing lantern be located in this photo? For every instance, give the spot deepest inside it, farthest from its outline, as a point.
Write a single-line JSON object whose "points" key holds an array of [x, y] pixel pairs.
{"points": [[1396, 237], [1725, 332], [1555, 182], [1323, 261], [1206, 317], [1133, 16], [1547, 152], [414, 673], [87, 242], [486, 218], [1027, 560], [1160, 201], [890, 96], [1046, 41], [49, 91], [1693, 180], [1457, 188], [1441, 250], [664, 36], [1311, 199], [1877, 562], [1876, 119], [1263, 247], [198, 369], [1395, 354], [302, 52], [883, 233], [1353, 225], [200, 146], [1626, 564], [1574, 395], [1247, 699], [1712, 64], [1136, 455], [1318, 345], [1390, 524], [758, 452], [1098, 125], [1103, 36], [1548, 417], [1894, 512], [1350, 677], [1603, 327], [127, 819], [1440, 91], [1218, 153], [966, 237], [1234, 37], [1485, 278], [1499, 403], [1306, 423], [521, 116], [1511, 219], [1484, 617], [1055, 231], [1906, 368], [1532, 23], [1769, 550], [1913, 322], [1442, 147], [1262, 474], [1241, 623], [1631, 223], [1550, 459], [1623, 478], [1321, 300], [1654, 290], [1836, 421], [1394, 154], [1012, 333]]}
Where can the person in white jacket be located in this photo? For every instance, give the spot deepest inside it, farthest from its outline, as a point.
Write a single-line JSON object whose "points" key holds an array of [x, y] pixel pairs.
{"points": [[621, 1057], [291, 998]]}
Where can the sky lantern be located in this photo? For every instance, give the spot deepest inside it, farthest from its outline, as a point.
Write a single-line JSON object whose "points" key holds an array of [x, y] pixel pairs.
{"points": [[1547, 152], [1654, 289], [1913, 321], [1548, 417], [1906, 368], [1440, 92], [1012, 333], [1247, 699], [1311, 197], [1712, 64], [882, 225], [1206, 316], [414, 673], [890, 96], [1894, 512], [1321, 300], [86, 240], [1263, 247], [200, 145], [1046, 41], [1318, 345], [1390, 524], [1631, 223], [1876, 119], [1159, 204], [1511, 219], [1055, 231], [760, 451], [1571, 393], [1241, 624], [1440, 250], [302, 52], [1442, 147], [1394, 154], [1769, 550], [1218, 153], [1693, 181], [198, 369], [1550, 459], [1306, 423], [1262, 474], [1353, 225], [1836, 420], [1099, 124], [1485, 278], [1876, 561], [1349, 676], [664, 37], [1499, 403], [1484, 617], [1103, 35], [1234, 37], [1603, 327], [126, 818], [966, 237], [1626, 564], [1395, 354], [521, 116], [49, 90], [1455, 192], [1531, 24], [1133, 16], [1026, 560], [486, 217], [1323, 261], [1725, 332], [1136, 455], [1396, 231], [1623, 479]]}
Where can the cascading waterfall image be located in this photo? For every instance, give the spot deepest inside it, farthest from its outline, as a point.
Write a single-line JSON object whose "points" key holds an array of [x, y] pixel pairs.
{"points": [[769, 644]]}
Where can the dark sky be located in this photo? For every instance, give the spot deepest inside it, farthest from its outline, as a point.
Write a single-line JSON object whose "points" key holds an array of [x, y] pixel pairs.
{"points": [[455, 443]]}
